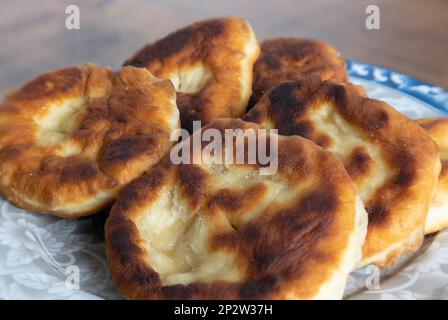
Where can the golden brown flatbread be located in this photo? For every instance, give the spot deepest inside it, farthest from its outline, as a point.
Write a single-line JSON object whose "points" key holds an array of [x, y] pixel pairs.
{"points": [[210, 64], [392, 161], [438, 212], [288, 59], [71, 138], [223, 231]]}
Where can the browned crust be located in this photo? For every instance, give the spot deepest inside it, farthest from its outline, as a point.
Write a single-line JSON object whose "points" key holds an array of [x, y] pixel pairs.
{"points": [[221, 45], [121, 130], [290, 250], [398, 209], [437, 128], [288, 59]]}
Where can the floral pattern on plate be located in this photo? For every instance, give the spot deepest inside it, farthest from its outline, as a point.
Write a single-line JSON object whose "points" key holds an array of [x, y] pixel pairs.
{"points": [[39, 253]]}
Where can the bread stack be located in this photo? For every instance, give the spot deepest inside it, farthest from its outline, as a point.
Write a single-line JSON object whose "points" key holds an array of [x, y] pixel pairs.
{"points": [[356, 182]]}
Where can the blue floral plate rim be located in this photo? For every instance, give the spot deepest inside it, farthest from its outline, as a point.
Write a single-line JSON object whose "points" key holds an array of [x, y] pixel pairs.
{"points": [[434, 96]]}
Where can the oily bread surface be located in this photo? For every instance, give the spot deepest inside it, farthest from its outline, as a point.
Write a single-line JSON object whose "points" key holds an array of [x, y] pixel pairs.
{"points": [[392, 161], [438, 212], [210, 63], [215, 231], [288, 59], [71, 138]]}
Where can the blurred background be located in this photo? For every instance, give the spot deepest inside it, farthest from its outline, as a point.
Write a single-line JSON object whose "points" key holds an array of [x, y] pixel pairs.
{"points": [[33, 38]]}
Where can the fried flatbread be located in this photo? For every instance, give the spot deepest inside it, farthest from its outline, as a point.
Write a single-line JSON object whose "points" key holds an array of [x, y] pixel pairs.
{"points": [[70, 139], [288, 59], [393, 161], [210, 63], [438, 212], [223, 231]]}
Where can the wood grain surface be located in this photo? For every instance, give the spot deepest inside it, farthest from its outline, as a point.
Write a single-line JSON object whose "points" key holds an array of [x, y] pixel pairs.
{"points": [[413, 37]]}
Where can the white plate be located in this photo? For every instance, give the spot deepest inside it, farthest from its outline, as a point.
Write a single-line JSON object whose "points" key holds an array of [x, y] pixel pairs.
{"points": [[37, 252]]}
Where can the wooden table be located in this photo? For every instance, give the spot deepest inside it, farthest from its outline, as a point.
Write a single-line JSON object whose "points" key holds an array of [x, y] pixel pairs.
{"points": [[33, 38]]}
